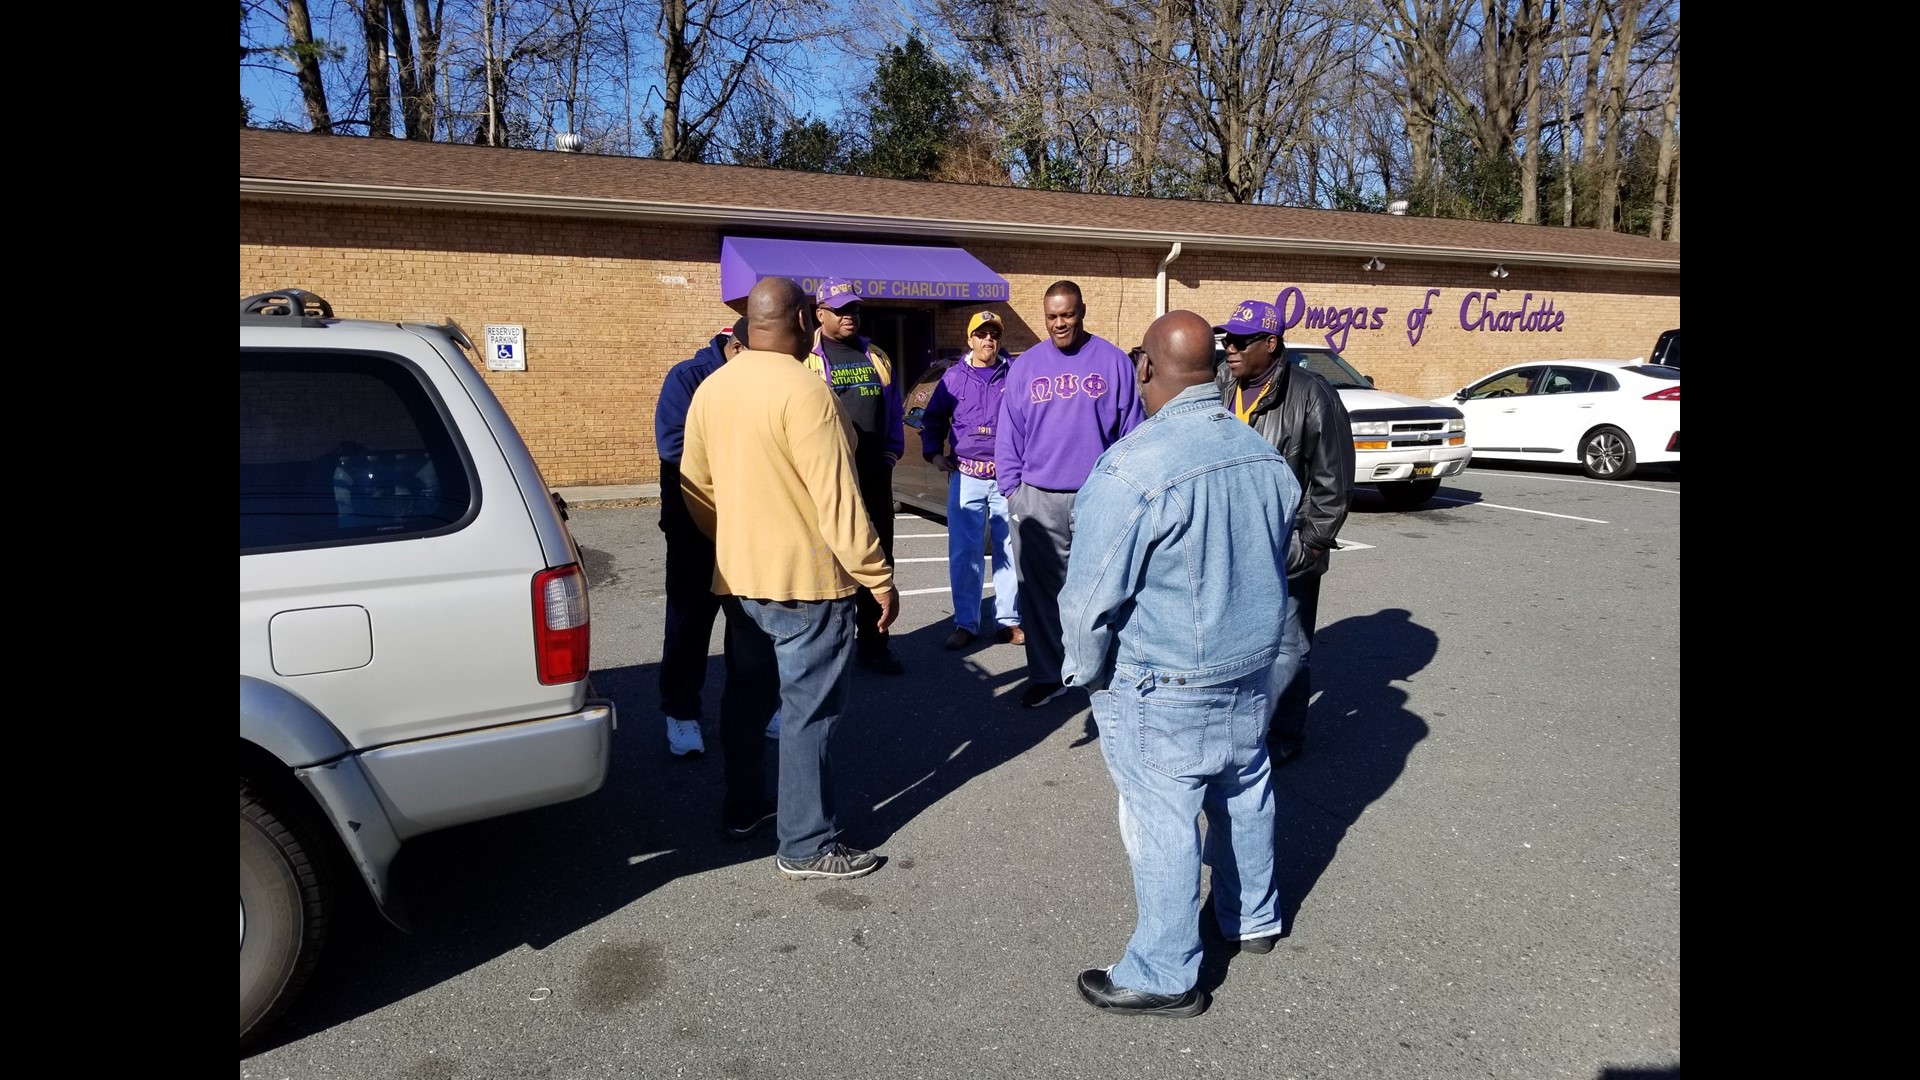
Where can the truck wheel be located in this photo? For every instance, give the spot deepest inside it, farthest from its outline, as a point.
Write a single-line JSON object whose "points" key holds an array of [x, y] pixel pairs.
{"points": [[1408, 494], [1607, 454], [283, 911]]}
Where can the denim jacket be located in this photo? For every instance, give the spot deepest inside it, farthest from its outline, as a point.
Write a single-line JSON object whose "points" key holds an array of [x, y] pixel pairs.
{"points": [[1178, 570]]}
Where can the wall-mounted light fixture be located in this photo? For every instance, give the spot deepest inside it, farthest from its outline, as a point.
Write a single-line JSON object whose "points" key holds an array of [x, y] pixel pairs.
{"points": [[1499, 270], [1373, 264]]}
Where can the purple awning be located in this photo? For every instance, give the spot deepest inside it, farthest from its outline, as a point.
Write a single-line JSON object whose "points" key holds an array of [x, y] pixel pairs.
{"points": [[878, 271]]}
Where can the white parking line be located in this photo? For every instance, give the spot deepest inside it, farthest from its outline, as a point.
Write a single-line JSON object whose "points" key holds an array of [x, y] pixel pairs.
{"points": [[1517, 509], [1582, 480]]}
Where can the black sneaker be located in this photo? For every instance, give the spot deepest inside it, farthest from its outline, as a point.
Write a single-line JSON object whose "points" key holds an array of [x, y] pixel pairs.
{"points": [[1283, 748], [1040, 693], [838, 861], [884, 663], [746, 828], [1096, 986], [1259, 946]]}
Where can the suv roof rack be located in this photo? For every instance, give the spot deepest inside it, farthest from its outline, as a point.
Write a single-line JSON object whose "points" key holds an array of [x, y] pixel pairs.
{"points": [[310, 308]]}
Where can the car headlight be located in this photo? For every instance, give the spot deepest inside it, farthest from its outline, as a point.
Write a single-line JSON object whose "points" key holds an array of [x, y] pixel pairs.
{"points": [[1372, 427], [1457, 425]]}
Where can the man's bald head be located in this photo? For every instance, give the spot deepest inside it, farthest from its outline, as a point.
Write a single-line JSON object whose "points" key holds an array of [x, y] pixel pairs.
{"points": [[1178, 352], [780, 317]]}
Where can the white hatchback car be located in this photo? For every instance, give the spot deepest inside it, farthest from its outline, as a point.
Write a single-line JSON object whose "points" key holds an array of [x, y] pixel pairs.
{"points": [[1607, 416], [414, 632]]}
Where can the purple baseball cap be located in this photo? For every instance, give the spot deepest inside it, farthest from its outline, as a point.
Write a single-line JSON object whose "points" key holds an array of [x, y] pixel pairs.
{"points": [[836, 293], [1251, 317]]}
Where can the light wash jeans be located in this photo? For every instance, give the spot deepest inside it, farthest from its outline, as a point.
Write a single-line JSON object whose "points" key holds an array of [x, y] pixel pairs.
{"points": [[794, 656], [975, 507], [1176, 752]]}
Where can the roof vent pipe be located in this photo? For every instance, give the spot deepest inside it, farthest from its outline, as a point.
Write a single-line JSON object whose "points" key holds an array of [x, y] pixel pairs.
{"points": [[1160, 283], [1398, 208], [568, 142]]}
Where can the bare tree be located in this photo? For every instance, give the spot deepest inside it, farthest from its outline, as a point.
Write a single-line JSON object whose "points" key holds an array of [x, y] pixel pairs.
{"points": [[417, 67], [376, 35], [1613, 116], [1254, 77], [305, 53], [1422, 35], [716, 53], [1666, 167]]}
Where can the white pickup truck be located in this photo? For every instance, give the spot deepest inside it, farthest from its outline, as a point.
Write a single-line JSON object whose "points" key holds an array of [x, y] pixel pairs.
{"points": [[1401, 445]]}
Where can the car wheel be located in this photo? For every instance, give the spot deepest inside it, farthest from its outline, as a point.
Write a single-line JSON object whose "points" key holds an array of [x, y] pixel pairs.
{"points": [[1607, 454], [1409, 494], [283, 911]]}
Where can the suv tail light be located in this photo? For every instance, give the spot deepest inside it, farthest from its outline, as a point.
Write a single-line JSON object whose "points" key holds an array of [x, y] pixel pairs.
{"points": [[1671, 393], [562, 628]]}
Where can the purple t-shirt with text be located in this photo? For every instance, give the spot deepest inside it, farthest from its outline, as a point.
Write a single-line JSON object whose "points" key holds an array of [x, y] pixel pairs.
{"points": [[1061, 410]]}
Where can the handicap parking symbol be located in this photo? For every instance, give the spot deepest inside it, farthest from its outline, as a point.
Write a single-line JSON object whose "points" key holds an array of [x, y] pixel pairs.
{"points": [[503, 350]]}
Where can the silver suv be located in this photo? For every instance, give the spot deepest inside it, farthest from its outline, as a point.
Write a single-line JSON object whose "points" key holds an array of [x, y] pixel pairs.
{"points": [[414, 631]]}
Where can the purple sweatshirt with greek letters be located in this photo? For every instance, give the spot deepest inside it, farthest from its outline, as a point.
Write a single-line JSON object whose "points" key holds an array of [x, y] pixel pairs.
{"points": [[1061, 411]]}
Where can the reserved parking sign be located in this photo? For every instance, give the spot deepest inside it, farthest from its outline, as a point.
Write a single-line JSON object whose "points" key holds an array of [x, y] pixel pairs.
{"points": [[506, 347]]}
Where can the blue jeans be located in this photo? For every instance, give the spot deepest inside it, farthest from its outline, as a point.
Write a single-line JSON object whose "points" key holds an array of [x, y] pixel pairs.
{"points": [[794, 655], [975, 507], [1176, 752]]}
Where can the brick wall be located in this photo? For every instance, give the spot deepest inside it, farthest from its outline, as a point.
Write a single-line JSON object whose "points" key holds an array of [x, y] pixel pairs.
{"points": [[606, 312]]}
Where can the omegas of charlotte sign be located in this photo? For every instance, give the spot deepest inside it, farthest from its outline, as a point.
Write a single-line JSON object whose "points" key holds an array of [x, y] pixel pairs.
{"points": [[1480, 310]]}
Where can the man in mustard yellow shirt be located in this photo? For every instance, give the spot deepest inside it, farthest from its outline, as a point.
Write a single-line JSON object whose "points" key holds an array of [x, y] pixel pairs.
{"points": [[768, 472]]}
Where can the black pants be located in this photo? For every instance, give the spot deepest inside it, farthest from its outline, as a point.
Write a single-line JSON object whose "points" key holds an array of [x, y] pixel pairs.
{"points": [[691, 605], [876, 490], [1289, 726]]}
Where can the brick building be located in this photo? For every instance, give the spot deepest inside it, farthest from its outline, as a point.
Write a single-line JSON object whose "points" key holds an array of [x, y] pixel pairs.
{"points": [[616, 268]]}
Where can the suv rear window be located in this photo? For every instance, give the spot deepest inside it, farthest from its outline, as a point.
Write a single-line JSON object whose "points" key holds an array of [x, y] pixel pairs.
{"points": [[339, 447]]}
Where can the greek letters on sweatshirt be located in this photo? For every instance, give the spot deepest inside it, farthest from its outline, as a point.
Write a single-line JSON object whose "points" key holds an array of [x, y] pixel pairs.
{"points": [[1061, 411]]}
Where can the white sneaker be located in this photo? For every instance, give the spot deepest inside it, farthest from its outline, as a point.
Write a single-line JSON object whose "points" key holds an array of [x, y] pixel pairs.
{"points": [[683, 737], [773, 725]]}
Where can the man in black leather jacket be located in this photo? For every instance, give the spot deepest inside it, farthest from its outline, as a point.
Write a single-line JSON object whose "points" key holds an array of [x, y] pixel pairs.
{"points": [[1302, 416]]}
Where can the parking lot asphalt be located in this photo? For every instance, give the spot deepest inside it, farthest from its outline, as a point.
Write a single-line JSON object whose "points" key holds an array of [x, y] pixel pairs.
{"points": [[1480, 849]]}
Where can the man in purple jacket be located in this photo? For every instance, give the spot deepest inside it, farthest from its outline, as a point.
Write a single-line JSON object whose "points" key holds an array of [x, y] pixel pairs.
{"points": [[1070, 397], [964, 410]]}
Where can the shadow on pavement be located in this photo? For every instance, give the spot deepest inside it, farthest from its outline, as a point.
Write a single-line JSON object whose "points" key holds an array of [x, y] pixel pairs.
{"points": [[479, 891], [1359, 734]]}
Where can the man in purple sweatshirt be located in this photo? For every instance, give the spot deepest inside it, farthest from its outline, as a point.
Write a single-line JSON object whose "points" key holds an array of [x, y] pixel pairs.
{"points": [[1069, 398], [963, 412]]}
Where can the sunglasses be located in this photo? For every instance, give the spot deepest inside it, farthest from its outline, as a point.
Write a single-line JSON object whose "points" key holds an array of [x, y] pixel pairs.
{"points": [[995, 334], [1239, 342]]}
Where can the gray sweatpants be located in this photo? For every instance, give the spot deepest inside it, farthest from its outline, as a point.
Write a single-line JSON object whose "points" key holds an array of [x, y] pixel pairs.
{"points": [[1042, 533]]}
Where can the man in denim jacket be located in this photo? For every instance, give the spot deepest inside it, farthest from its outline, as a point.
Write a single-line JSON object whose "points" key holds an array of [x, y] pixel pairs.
{"points": [[1171, 617]]}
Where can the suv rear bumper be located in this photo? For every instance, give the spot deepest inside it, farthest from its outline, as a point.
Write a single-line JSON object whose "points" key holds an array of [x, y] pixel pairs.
{"points": [[454, 779]]}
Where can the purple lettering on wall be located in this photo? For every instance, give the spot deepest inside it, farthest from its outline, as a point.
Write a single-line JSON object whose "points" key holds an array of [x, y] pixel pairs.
{"points": [[1417, 318], [1477, 312]]}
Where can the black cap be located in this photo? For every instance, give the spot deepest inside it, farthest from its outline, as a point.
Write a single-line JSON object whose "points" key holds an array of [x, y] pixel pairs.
{"points": [[740, 331]]}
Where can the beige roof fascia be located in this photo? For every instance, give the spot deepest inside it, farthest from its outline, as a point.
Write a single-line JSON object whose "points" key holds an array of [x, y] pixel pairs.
{"points": [[264, 189]]}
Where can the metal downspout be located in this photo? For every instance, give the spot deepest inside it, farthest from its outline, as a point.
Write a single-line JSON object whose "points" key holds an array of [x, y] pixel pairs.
{"points": [[1160, 283]]}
